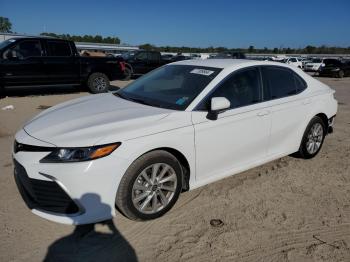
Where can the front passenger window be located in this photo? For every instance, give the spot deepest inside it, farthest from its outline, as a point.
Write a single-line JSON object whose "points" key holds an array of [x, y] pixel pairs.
{"points": [[241, 89], [141, 56], [25, 49]]}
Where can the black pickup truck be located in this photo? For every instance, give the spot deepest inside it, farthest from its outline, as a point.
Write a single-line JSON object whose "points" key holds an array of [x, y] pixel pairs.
{"points": [[141, 62], [41, 61]]}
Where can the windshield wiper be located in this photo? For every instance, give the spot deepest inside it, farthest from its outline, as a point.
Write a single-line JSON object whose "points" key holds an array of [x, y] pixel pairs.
{"points": [[140, 101]]}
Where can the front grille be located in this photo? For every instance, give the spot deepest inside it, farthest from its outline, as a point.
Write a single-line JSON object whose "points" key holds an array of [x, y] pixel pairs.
{"points": [[41, 194], [17, 147]]}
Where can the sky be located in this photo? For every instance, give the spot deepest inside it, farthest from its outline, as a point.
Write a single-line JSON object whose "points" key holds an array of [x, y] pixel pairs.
{"points": [[232, 24]]}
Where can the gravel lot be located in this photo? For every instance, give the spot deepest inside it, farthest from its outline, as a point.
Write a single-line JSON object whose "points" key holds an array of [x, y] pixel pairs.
{"points": [[287, 210]]}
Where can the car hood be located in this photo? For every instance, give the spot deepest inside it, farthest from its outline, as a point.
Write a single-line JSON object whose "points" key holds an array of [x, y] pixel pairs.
{"points": [[85, 121]]}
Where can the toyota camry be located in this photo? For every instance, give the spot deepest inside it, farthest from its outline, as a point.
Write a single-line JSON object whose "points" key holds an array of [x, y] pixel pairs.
{"points": [[177, 128]]}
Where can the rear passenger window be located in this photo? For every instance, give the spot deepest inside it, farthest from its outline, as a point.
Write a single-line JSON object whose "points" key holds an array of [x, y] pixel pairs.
{"points": [[153, 56], [278, 82], [58, 48], [300, 83]]}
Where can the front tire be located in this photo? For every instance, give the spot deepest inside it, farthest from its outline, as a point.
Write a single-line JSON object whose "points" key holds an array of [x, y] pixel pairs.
{"points": [[313, 138], [98, 83], [150, 186]]}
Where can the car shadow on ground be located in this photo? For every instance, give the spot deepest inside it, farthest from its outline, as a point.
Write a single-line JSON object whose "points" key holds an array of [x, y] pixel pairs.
{"points": [[92, 242], [45, 91]]}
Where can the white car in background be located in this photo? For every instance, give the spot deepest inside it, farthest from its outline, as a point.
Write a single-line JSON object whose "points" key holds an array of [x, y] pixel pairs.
{"points": [[182, 126], [314, 65], [305, 60], [294, 61]]}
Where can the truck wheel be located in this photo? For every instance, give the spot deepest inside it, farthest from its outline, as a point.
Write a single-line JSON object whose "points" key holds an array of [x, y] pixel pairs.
{"points": [[341, 74], [127, 74], [98, 83]]}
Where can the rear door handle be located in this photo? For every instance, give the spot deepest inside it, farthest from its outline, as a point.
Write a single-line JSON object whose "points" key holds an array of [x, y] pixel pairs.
{"points": [[263, 113]]}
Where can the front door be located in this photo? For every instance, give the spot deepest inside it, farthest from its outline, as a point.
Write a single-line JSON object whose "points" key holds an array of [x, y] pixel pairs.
{"points": [[240, 135], [22, 64]]}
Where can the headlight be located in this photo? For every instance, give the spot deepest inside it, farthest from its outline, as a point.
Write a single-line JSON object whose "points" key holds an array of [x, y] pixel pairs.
{"points": [[78, 154]]}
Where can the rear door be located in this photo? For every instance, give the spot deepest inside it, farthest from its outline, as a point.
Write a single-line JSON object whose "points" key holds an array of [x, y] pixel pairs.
{"points": [[283, 96], [140, 63], [61, 63], [153, 60], [22, 64]]}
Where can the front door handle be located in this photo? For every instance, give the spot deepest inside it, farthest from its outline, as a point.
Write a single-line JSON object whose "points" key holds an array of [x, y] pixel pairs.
{"points": [[263, 113]]}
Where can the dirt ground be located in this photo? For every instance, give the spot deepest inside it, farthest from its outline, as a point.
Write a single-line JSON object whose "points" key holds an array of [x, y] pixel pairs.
{"points": [[287, 210]]}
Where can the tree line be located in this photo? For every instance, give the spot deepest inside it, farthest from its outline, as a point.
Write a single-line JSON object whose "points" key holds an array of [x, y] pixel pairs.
{"points": [[85, 38], [251, 49]]}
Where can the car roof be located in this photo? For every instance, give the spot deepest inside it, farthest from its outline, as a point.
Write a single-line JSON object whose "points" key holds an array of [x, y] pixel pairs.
{"points": [[218, 63], [228, 63]]}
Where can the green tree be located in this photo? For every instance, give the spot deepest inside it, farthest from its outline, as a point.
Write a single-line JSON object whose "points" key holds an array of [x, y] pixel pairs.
{"points": [[5, 25], [85, 38], [147, 47], [310, 49], [251, 49]]}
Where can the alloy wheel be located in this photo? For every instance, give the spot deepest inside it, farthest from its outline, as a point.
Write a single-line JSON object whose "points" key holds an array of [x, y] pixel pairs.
{"points": [[154, 188], [314, 138], [99, 83]]}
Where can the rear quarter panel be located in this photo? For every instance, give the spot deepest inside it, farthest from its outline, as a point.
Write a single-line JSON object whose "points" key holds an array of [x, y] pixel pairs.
{"points": [[107, 65]]}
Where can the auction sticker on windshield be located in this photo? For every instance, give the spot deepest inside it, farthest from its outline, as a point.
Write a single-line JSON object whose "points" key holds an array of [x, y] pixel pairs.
{"points": [[200, 71]]}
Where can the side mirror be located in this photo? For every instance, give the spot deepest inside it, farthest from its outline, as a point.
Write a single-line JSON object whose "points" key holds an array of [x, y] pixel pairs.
{"points": [[217, 106]]}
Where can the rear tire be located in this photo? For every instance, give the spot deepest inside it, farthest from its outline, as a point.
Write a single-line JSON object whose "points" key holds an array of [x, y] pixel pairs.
{"points": [[142, 182], [341, 74], [313, 138], [98, 83]]}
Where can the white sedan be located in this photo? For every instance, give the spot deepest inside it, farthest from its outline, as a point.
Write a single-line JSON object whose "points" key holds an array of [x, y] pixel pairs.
{"points": [[177, 128], [294, 61]]}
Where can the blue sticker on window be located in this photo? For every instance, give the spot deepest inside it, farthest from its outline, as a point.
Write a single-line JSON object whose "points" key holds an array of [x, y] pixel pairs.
{"points": [[181, 101]]}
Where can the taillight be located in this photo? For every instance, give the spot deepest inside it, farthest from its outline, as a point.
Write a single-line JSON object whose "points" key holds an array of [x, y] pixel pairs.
{"points": [[122, 66]]}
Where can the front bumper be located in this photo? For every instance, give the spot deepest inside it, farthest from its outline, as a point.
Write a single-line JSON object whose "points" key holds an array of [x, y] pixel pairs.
{"points": [[311, 69], [69, 193]]}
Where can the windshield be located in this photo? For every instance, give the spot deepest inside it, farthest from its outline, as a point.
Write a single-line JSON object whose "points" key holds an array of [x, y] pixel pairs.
{"points": [[5, 43], [128, 55], [332, 62], [171, 87]]}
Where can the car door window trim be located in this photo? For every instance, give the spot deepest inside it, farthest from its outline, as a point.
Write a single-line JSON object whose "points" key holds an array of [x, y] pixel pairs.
{"points": [[294, 74], [218, 85]]}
